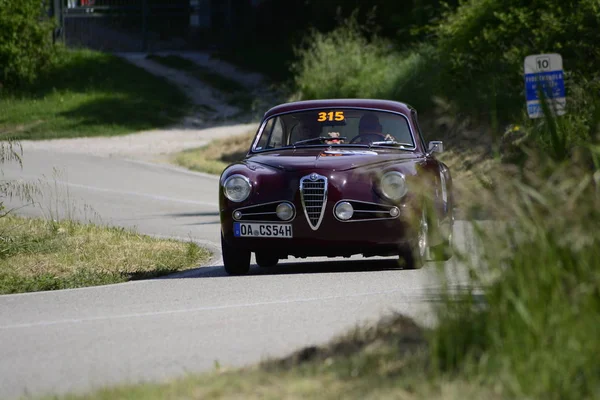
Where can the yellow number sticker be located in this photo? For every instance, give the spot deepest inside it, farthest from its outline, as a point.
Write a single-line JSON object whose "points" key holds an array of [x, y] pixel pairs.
{"points": [[331, 116]]}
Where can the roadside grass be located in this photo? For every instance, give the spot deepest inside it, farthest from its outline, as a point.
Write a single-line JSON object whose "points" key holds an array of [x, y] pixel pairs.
{"points": [[215, 156], [235, 93], [388, 360], [38, 254], [88, 93]]}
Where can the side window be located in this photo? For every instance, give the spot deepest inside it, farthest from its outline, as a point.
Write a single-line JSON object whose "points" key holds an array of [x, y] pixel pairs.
{"points": [[264, 138], [272, 135], [277, 134]]}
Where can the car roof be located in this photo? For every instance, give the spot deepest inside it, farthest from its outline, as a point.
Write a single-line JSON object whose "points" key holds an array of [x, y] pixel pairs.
{"points": [[384, 105]]}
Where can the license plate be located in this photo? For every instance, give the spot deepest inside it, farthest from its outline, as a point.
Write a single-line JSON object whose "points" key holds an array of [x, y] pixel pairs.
{"points": [[242, 229]]}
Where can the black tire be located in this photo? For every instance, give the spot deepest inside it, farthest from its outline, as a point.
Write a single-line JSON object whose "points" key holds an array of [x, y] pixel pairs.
{"points": [[414, 254], [410, 258], [266, 260], [236, 261]]}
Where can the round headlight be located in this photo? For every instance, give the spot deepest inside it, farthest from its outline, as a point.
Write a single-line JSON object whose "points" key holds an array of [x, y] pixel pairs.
{"points": [[344, 211], [237, 188], [284, 211], [393, 185]]}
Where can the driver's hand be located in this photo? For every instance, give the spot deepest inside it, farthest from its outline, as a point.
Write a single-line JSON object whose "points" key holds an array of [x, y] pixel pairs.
{"points": [[389, 137]]}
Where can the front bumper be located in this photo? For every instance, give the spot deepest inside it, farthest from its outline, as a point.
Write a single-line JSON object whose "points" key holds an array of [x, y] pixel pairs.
{"points": [[332, 238]]}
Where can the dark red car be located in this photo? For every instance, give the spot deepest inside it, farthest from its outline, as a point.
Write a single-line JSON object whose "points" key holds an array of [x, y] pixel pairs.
{"points": [[336, 178]]}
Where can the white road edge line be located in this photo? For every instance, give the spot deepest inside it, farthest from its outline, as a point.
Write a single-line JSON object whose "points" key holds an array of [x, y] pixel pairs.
{"points": [[198, 309], [173, 168], [147, 195]]}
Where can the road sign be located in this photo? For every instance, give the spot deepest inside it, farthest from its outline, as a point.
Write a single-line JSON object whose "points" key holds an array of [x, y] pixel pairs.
{"points": [[544, 75]]}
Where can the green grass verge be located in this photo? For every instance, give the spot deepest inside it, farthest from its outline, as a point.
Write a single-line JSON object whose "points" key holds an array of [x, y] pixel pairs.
{"points": [[216, 156], [36, 254], [87, 93], [234, 92]]}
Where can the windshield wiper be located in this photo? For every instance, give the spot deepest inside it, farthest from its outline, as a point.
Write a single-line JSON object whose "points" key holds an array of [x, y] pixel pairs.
{"points": [[391, 143], [319, 139]]}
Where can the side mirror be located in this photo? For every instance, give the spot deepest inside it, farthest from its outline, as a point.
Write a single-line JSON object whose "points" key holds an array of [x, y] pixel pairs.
{"points": [[436, 146]]}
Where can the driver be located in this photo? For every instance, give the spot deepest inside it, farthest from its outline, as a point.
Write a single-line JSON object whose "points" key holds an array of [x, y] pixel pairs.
{"points": [[369, 124]]}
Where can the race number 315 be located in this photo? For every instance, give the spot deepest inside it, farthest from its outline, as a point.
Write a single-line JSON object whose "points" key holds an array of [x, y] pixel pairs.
{"points": [[331, 116]]}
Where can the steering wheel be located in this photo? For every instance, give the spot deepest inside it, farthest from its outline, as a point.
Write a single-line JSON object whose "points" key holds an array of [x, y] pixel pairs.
{"points": [[367, 138]]}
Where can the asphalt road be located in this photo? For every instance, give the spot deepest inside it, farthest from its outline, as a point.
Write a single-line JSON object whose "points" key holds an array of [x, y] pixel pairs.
{"points": [[80, 339]]}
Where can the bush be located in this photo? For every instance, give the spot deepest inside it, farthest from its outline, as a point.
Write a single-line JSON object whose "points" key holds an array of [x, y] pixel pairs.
{"points": [[351, 62], [484, 42], [25, 41], [344, 64], [474, 57]]}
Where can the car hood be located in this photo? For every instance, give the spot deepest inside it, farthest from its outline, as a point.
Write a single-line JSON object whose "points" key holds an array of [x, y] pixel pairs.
{"points": [[334, 158]]}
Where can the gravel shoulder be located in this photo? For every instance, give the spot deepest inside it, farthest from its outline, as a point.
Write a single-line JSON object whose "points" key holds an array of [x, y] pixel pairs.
{"points": [[151, 146]]}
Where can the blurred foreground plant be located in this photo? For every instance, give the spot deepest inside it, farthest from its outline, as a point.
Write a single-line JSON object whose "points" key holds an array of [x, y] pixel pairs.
{"points": [[534, 328]]}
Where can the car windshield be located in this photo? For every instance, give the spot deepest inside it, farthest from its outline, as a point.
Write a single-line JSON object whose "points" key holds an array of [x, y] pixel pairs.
{"points": [[335, 127]]}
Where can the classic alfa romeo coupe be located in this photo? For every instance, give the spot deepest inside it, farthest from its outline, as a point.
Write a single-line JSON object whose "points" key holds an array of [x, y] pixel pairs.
{"points": [[337, 178]]}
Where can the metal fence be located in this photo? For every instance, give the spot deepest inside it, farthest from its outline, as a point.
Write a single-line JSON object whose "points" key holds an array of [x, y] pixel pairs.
{"points": [[127, 25]]}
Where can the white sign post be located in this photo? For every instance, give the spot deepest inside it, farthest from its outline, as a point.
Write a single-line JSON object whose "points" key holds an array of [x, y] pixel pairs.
{"points": [[544, 75]]}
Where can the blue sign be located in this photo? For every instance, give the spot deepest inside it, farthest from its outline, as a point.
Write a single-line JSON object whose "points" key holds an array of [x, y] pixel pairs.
{"points": [[551, 84], [544, 76]]}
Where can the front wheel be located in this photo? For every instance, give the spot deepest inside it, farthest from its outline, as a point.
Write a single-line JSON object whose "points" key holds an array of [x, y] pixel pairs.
{"points": [[266, 260], [413, 255], [235, 260]]}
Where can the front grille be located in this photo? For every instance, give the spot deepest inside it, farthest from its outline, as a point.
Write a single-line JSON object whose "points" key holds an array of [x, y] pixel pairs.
{"points": [[313, 192]]}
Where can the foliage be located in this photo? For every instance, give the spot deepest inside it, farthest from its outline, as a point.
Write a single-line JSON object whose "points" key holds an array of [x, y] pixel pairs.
{"points": [[343, 63], [254, 44], [483, 43], [473, 62], [12, 151], [352, 62], [562, 137], [25, 41], [89, 93], [529, 322]]}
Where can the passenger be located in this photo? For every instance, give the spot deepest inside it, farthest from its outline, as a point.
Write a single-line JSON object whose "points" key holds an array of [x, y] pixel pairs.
{"points": [[308, 128]]}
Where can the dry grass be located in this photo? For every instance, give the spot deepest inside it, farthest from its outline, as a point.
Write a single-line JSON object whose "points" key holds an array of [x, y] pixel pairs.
{"points": [[36, 254], [217, 155], [385, 361]]}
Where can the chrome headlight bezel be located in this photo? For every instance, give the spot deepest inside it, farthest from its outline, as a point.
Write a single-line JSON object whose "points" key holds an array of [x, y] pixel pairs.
{"points": [[387, 192], [279, 211], [227, 185], [343, 211]]}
